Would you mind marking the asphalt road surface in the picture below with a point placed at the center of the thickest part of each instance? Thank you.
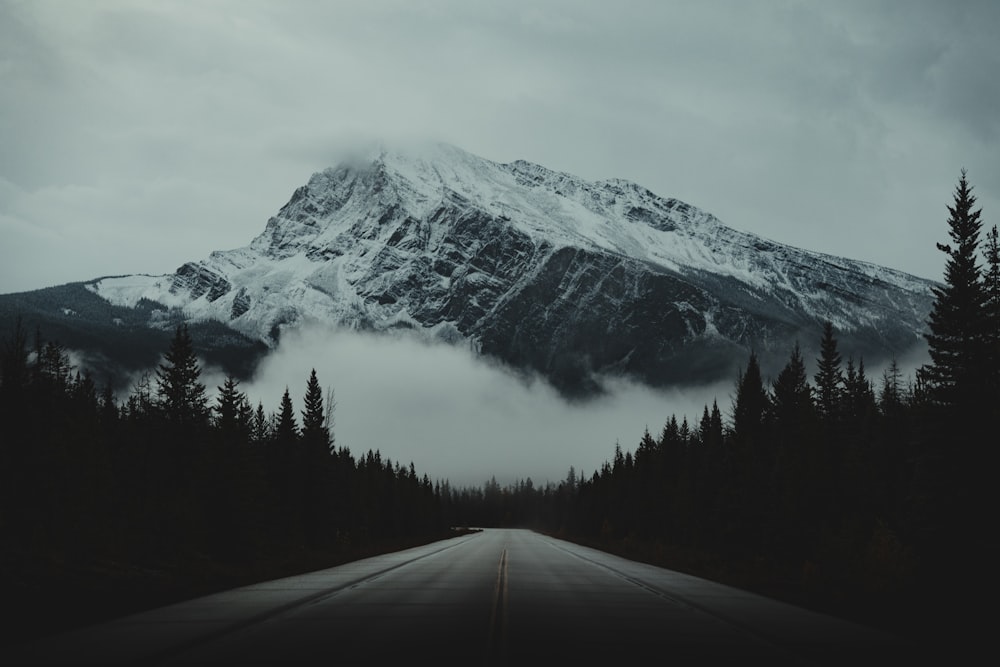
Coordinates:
(496, 597)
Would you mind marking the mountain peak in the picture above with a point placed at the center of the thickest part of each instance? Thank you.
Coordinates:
(538, 268)
(402, 155)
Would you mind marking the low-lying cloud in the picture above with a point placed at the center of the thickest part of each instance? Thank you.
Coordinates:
(457, 417)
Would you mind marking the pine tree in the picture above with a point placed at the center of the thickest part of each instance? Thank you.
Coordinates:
(716, 424)
(957, 323)
(245, 417)
(286, 431)
(283, 460)
(792, 395)
(751, 403)
(259, 431)
(228, 497)
(314, 429)
(800, 471)
(828, 378)
(181, 394)
(953, 476)
(890, 398)
(229, 407)
(704, 426)
(859, 396)
(316, 466)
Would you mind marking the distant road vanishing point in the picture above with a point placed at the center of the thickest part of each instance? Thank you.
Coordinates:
(495, 597)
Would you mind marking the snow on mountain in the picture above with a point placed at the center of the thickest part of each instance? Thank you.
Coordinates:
(537, 268)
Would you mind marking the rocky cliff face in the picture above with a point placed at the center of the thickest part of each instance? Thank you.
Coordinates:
(538, 269)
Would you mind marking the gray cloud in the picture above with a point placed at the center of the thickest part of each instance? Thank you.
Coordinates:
(460, 418)
(456, 417)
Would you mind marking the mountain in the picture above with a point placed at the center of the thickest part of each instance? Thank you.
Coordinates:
(118, 343)
(537, 269)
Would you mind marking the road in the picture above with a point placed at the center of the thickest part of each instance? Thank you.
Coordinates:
(496, 597)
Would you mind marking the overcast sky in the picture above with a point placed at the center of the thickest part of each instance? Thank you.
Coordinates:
(136, 136)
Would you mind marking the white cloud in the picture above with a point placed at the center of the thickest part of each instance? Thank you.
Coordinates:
(458, 418)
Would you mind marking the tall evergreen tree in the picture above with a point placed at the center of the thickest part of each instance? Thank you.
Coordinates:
(745, 500)
(792, 395)
(800, 470)
(286, 431)
(316, 466)
(829, 378)
(751, 404)
(890, 398)
(715, 432)
(314, 429)
(704, 426)
(230, 408)
(957, 323)
(259, 430)
(284, 457)
(859, 396)
(181, 394)
(228, 491)
(951, 495)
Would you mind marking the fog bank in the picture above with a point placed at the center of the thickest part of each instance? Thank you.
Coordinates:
(457, 417)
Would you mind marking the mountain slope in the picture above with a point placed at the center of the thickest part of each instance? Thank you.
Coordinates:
(538, 269)
(116, 343)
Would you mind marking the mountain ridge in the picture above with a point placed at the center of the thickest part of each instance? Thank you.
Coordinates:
(536, 268)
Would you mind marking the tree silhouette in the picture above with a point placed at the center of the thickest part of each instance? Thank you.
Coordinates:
(957, 322)
(231, 411)
(314, 430)
(180, 391)
(751, 404)
(286, 431)
(829, 378)
(315, 466)
(283, 461)
(951, 495)
(792, 396)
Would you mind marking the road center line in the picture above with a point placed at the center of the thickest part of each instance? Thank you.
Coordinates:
(497, 640)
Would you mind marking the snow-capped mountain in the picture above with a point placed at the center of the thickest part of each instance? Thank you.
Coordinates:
(539, 269)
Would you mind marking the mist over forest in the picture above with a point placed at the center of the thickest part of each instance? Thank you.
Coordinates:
(461, 418)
